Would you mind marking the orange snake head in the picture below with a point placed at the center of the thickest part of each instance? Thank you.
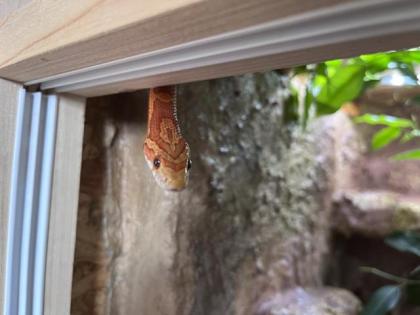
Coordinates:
(166, 151)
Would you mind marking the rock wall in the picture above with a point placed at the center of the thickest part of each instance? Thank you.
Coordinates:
(251, 231)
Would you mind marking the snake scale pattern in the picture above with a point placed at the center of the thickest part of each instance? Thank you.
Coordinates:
(165, 149)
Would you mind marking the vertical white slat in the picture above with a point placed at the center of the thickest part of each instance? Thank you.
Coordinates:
(44, 205)
(30, 209)
(15, 124)
(43, 199)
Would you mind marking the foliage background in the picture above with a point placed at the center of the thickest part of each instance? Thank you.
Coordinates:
(324, 88)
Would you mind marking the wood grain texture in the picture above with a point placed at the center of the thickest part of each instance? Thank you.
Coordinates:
(7, 7)
(64, 204)
(8, 105)
(50, 37)
(279, 61)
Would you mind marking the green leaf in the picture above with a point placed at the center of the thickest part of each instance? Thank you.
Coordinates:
(385, 136)
(407, 241)
(376, 63)
(407, 155)
(324, 109)
(345, 85)
(390, 121)
(332, 66)
(318, 83)
(406, 56)
(321, 69)
(383, 300)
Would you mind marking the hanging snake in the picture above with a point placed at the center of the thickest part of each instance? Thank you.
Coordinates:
(165, 149)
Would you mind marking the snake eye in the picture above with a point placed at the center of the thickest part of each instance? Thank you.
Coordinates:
(189, 164)
(156, 163)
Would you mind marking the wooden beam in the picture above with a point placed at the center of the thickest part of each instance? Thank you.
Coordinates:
(50, 37)
(9, 94)
(64, 205)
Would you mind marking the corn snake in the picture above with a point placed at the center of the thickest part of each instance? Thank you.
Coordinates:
(165, 149)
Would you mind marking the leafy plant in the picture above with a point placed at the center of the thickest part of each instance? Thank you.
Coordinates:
(407, 241)
(325, 87)
(387, 298)
(408, 155)
(394, 128)
(383, 300)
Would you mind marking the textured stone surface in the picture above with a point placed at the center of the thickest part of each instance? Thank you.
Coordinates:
(375, 213)
(310, 301)
(254, 221)
(263, 224)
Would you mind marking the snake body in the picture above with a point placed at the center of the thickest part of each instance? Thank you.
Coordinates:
(165, 149)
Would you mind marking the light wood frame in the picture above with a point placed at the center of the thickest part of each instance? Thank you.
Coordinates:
(90, 48)
(9, 92)
(39, 192)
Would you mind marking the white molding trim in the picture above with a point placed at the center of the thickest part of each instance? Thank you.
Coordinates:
(339, 24)
(29, 206)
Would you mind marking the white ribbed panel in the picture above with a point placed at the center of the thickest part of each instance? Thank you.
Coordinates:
(29, 204)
